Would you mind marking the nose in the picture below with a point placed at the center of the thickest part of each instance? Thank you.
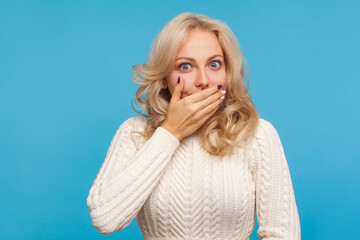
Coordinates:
(202, 80)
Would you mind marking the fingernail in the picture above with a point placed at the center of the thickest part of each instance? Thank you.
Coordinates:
(219, 86)
(222, 97)
(179, 79)
(223, 91)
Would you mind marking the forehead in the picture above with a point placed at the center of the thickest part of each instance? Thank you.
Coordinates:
(200, 43)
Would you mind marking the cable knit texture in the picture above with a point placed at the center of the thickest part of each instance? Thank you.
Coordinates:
(177, 190)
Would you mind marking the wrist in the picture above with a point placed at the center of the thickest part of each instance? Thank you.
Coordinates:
(172, 131)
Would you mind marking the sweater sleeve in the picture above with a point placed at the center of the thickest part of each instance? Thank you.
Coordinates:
(276, 208)
(127, 176)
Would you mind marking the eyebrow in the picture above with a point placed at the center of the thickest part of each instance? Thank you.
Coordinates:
(193, 60)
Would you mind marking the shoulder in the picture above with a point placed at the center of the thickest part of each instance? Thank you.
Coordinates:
(130, 130)
(267, 143)
(265, 130)
(136, 123)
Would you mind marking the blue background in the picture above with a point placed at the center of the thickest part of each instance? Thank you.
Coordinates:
(65, 71)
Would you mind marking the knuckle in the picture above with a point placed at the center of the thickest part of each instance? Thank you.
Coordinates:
(196, 116)
(186, 102)
(203, 94)
(192, 111)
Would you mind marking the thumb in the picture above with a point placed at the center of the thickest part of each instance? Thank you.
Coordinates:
(178, 90)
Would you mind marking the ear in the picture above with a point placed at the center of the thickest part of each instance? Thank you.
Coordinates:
(164, 84)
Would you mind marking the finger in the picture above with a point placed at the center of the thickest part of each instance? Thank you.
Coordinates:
(210, 107)
(177, 91)
(207, 101)
(203, 94)
(209, 114)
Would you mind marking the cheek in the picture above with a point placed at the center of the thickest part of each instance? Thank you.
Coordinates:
(188, 79)
(172, 81)
(218, 77)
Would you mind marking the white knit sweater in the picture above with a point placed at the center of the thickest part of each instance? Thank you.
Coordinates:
(177, 190)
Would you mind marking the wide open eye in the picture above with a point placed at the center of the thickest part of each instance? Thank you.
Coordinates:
(184, 66)
(215, 64)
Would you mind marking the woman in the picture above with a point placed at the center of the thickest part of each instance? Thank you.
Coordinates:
(200, 161)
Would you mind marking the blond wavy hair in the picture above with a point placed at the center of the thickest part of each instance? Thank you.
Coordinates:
(236, 118)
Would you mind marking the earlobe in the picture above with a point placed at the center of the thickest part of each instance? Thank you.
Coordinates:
(164, 85)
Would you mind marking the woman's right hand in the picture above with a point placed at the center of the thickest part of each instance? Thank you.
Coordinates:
(185, 116)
